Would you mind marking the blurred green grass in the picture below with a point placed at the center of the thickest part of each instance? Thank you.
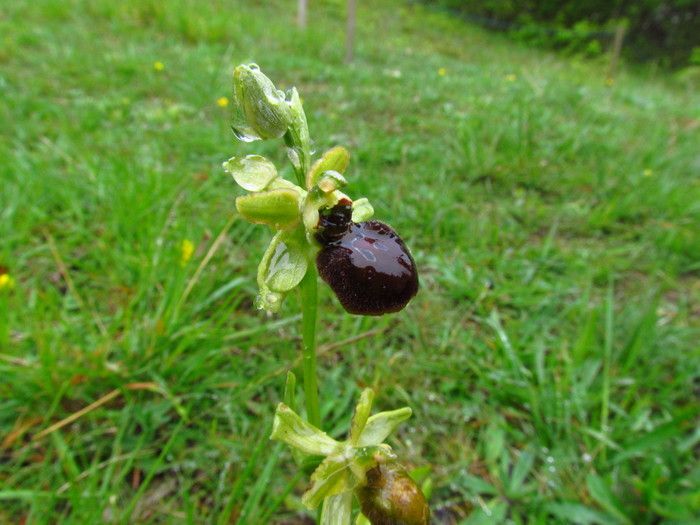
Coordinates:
(551, 358)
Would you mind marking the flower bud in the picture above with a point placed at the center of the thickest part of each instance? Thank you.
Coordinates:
(366, 264)
(261, 110)
(391, 497)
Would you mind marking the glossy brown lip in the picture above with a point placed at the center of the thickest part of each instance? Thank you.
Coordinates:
(366, 264)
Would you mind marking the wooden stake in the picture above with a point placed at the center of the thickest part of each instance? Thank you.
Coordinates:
(350, 34)
(301, 14)
(616, 50)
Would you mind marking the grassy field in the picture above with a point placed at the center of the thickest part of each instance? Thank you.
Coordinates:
(551, 357)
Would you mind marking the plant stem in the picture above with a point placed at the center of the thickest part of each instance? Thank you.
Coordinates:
(309, 309)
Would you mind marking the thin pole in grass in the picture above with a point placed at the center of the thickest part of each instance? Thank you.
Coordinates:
(302, 10)
(320, 231)
(350, 31)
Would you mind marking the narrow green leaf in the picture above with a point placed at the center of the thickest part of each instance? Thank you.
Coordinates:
(601, 493)
(521, 470)
(652, 440)
(493, 513)
(476, 485)
(494, 440)
(571, 512)
(290, 390)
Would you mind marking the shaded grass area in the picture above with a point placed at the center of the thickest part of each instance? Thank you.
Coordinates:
(551, 358)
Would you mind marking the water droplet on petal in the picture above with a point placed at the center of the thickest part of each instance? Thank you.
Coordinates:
(293, 155)
(244, 134)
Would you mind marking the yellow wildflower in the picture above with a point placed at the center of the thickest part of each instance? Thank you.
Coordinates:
(222, 102)
(511, 77)
(648, 172)
(442, 71)
(186, 251)
(6, 281)
(158, 65)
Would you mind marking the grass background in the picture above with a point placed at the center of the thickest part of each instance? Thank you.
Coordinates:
(551, 358)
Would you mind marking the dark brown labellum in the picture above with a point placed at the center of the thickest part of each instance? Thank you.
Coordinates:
(366, 264)
(391, 497)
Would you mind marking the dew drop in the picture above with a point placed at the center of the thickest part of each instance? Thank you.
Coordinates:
(244, 134)
(293, 155)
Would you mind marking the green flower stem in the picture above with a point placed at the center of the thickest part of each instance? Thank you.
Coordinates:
(309, 309)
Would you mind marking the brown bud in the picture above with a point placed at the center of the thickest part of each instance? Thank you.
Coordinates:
(391, 497)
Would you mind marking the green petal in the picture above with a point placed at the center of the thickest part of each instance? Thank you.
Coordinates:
(330, 181)
(362, 411)
(337, 510)
(289, 428)
(362, 210)
(332, 477)
(379, 426)
(276, 208)
(252, 173)
(336, 159)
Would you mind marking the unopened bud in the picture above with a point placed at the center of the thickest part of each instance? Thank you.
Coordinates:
(261, 110)
(391, 497)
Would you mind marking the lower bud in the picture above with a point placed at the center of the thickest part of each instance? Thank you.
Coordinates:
(391, 497)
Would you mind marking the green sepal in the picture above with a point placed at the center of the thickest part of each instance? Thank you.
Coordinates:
(261, 110)
(277, 208)
(289, 428)
(335, 159)
(282, 267)
(252, 173)
(286, 268)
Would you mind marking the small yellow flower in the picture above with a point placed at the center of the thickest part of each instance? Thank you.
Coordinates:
(609, 81)
(222, 102)
(442, 71)
(6, 281)
(186, 251)
(158, 65)
(648, 173)
(511, 77)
